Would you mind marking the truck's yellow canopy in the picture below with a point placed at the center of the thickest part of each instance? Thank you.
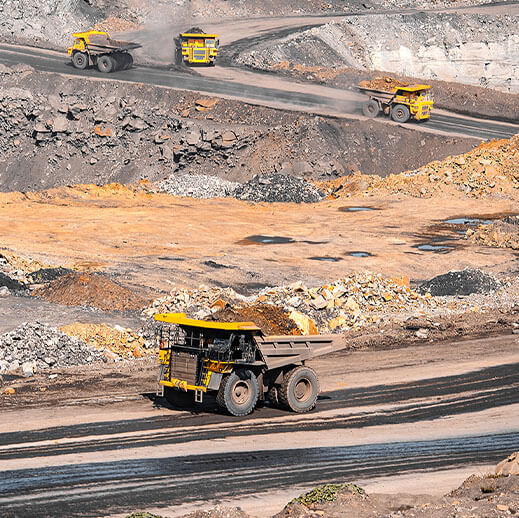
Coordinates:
(413, 88)
(181, 319)
(198, 35)
(87, 34)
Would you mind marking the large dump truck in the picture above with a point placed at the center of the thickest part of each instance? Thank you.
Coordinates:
(402, 103)
(98, 49)
(238, 363)
(196, 47)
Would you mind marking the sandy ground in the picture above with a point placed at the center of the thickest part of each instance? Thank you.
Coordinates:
(154, 240)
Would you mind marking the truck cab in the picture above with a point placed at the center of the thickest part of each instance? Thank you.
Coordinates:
(197, 48)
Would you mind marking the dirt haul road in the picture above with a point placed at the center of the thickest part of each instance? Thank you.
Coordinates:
(255, 89)
(442, 410)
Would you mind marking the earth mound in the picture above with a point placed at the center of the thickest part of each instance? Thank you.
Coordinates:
(464, 282)
(82, 289)
(270, 319)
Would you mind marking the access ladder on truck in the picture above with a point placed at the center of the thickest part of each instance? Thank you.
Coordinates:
(238, 363)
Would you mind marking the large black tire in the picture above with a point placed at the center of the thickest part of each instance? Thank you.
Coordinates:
(299, 389)
(80, 60)
(106, 64)
(129, 61)
(371, 108)
(238, 392)
(400, 113)
(178, 398)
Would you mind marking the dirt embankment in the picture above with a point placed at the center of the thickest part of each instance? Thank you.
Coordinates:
(61, 131)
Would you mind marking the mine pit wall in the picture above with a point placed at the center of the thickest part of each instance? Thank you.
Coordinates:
(471, 49)
(56, 131)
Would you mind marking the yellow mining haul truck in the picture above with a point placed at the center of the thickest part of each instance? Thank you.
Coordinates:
(400, 104)
(98, 49)
(237, 363)
(196, 47)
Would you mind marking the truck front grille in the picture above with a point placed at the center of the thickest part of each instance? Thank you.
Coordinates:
(199, 54)
(184, 366)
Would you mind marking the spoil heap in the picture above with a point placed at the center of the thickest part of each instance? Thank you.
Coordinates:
(278, 188)
(490, 169)
(83, 289)
(464, 282)
(123, 343)
(36, 346)
(349, 303)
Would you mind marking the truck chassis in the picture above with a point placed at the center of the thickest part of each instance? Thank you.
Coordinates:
(238, 363)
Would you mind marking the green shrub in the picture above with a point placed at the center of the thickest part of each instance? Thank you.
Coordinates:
(325, 493)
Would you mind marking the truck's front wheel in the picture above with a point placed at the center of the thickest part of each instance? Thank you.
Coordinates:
(80, 60)
(400, 113)
(238, 392)
(299, 389)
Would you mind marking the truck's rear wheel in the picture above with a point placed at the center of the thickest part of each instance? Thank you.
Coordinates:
(80, 60)
(299, 389)
(106, 63)
(400, 113)
(371, 108)
(129, 61)
(238, 392)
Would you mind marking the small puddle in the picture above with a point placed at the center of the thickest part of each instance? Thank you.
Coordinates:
(356, 209)
(265, 240)
(324, 258)
(468, 221)
(428, 247)
(359, 253)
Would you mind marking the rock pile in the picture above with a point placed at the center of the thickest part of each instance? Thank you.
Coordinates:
(491, 169)
(36, 346)
(278, 188)
(84, 289)
(349, 303)
(198, 186)
(463, 282)
(120, 342)
(501, 234)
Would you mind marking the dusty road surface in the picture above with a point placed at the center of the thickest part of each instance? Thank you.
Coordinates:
(103, 445)
(254, 88)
